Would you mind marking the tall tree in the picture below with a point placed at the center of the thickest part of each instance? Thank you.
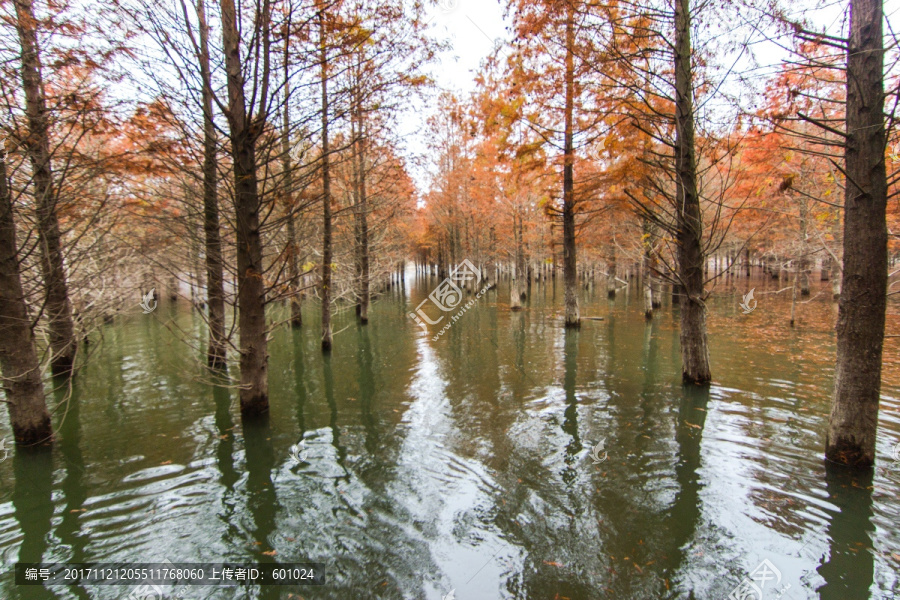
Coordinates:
(216, 355)
(861, 310)
(573, 319)
(326, 186)
(244, 131)
(691, 257)
(291, 250)
(18, 356)
(57, 306)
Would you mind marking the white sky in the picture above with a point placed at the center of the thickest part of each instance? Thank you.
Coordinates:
(473, 27)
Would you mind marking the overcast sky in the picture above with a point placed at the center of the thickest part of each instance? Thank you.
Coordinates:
(473, 27)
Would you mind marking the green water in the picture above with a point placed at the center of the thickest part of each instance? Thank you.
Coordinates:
(465, 463)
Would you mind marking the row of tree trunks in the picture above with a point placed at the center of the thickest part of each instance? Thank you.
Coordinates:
(57, 306)
(18, 358)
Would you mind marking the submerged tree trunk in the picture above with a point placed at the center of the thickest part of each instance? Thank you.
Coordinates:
(362, 217)
(21, 369)
(611, 271)
(838, 233)
(647, 268)
(215, 292)
(251, 291)
(861, 311)
(291, 250)
(694, 345)
(570, 265)
(326, 192)
(58, 308)
(516, 289)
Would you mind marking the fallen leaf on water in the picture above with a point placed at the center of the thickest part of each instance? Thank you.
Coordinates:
(692, 425)
(168, 462)
(640, 570)
(553, 564)
(270, 553)
(80, 510)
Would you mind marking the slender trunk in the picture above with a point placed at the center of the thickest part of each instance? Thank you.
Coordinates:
(573, 318)
(215, 292)
(515, 286)
(18, 358)
(362, 212)
(694, 345)
(291, 252)
(57, 307)
(795, 286)
(861, 311)
(251, 291)
(647, 268)
(838, 233)
(326, 192)
(611, 270)
(803, 263)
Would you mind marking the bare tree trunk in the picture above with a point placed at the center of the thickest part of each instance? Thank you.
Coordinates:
(803, 263)
(363, 219)
(570, 265)
(795, 285)
(326, 192)
(861, 311)
(251, 291)
(58, 307)
(647, 268)
(291, 251)
(18, 358)
(838, 233)
(611, 271)
(694, 344)
(516, 291)
(215, 293)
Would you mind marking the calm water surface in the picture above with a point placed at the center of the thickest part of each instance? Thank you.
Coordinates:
(465, 463)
